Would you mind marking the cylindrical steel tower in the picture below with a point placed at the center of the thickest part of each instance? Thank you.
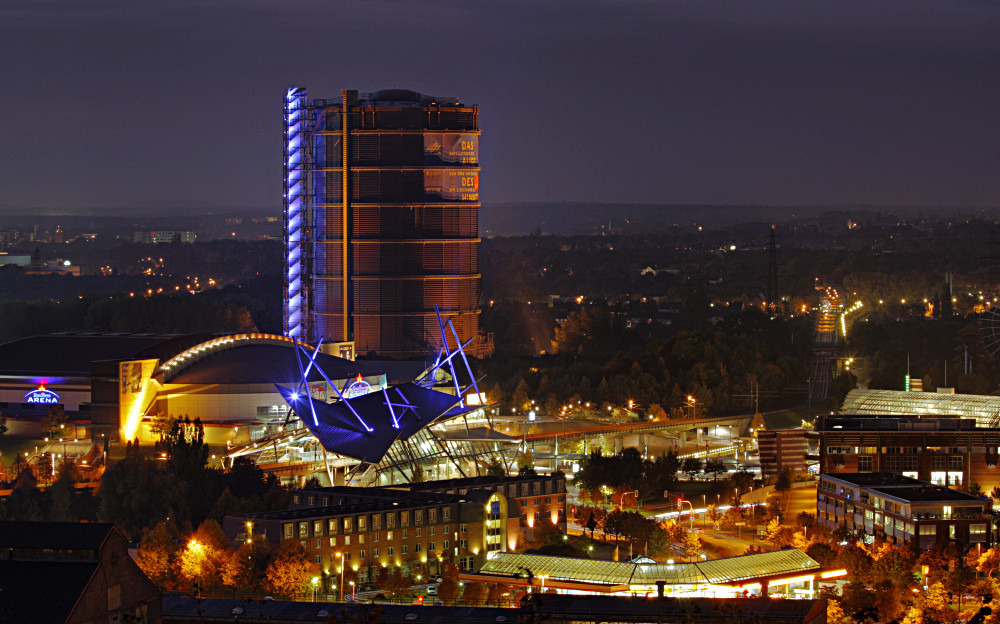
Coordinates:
(392, 213)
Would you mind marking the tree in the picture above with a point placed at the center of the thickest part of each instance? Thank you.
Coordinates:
(392, 581)
(656, 412)
(62, 493)
(161, 424)
(136, 493)
(247, 566)
(448, 588)
(495, 468)
(714, 514)
(290, 571)
(614, 524)
(958, 580)
(732, 516)
(934, 606)
(499, 595)
(784, 480)
(989, 561)
(835, 613)
(187, 457)
(54, 423)
(714, 466)
(780, 534)
(156, 553)
(205, 556)
(522, 397)
(474, 594)
(691, 466)
(859, 602)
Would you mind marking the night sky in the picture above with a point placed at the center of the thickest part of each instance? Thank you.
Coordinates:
(111, 104)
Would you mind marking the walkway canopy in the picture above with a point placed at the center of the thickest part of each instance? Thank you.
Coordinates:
(616, 576)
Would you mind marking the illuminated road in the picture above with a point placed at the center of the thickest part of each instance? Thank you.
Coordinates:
(825, 344)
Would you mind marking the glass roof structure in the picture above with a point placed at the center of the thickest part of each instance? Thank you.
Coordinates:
(985, 409)
(731, 570)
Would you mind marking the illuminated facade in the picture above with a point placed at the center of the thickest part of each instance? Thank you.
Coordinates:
(367, 528)
(381, 221)
(903, 509)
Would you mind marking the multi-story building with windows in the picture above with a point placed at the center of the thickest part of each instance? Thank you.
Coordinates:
(367, 528)
(945, 451)
(533, 499)
(902, 509)
(381, 220)
(783, 448)
(539, 498)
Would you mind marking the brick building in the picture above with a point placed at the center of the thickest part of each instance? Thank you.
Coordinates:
(953, 452)
(71, 572)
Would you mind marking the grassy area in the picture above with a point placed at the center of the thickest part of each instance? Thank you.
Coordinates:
(11, 446)
(792, 418)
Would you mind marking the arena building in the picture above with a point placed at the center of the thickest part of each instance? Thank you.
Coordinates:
(371, 422)
(119, 384)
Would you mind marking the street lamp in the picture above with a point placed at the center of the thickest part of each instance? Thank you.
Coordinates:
(353, 588)
(680, 509)
(315, 584)
(621, 499)
(341, 555)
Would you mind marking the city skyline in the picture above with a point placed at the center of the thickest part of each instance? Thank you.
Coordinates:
(890, 103)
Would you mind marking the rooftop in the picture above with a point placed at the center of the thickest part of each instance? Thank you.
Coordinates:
(250, 363)
(54, 535)
(927, 493)
(71, 354)
(632, 609)
(730, 570)
(895, 423)
(902, 488)
(870, 479)
(24, 598)
(984, 409)
(471, 482)
(384, 500)
(189, 609)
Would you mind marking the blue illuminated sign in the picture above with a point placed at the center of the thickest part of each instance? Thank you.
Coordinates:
(360, 387)
(42, 396)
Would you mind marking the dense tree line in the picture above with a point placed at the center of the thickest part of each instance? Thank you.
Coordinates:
(140, 490)
(205, 312)
(718, 367)
(933, 350)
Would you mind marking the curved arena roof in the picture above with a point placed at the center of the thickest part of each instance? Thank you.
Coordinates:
(984, 408)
